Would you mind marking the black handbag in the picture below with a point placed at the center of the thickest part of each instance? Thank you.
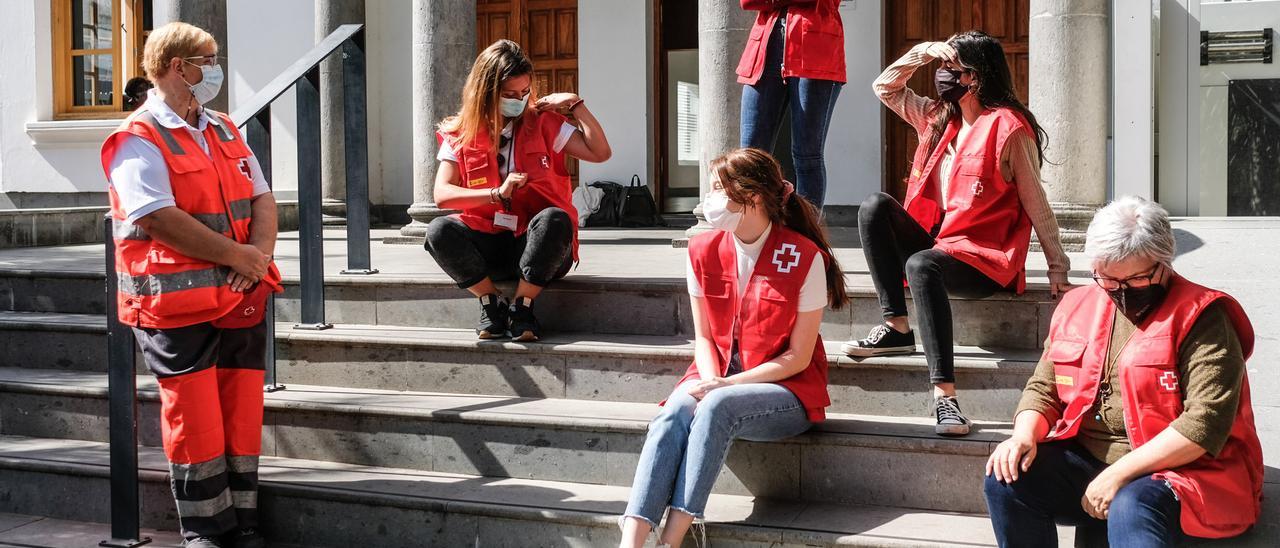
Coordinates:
(638, 207)
(610, 204)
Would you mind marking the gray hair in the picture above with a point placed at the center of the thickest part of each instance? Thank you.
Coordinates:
(1130, 227)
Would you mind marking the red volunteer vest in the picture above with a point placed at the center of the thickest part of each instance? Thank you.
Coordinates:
(158, 286)
(766, 314)
(549, 183)
(1220, 496)
(814, 41)
(985, 225)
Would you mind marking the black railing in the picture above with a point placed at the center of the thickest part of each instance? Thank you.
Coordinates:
(255, 118)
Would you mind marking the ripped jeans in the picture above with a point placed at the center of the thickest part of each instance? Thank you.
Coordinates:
(688, 441)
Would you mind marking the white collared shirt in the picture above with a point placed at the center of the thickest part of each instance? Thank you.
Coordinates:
(138, 170)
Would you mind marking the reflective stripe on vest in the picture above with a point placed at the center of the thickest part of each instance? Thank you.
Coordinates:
(241, 209)
(216, 222)
(165, 134)
(151, 285)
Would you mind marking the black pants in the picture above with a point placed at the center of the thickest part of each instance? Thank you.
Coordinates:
(542, 254)
(897, 247)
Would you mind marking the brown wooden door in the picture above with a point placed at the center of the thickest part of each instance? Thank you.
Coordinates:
(909, 22)
(548, 32)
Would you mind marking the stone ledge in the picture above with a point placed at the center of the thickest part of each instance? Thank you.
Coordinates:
(71, 132)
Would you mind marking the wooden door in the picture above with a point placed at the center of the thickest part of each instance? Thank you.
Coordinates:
(909, 22)
(548, 32)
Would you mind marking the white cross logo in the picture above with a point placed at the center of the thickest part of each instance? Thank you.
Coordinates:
(1169, 381)
(789, 249)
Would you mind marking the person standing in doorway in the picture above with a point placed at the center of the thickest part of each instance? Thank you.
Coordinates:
(973, 197)
(793, 62)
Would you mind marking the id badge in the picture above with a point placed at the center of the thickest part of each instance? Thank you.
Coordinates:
(505, 220)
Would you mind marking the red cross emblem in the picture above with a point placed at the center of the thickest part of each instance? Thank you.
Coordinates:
(977, 188)
(244, 168)
(1169, 381)
(546, 162)
(788, 250)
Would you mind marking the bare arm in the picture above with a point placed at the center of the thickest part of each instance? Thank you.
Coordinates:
(589, 143)
(704, 349)
(265, 226)
(449, 193)
(175, 228)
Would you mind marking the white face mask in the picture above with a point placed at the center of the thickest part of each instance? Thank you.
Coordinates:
(209, 86)
(715, 207)
(512, 108)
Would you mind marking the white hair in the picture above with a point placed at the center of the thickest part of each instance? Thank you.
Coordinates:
(1130, 227)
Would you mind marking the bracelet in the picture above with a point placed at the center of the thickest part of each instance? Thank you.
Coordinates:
(493, 195)
(575, 105)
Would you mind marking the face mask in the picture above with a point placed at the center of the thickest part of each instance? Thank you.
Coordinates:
(208, 87)
(716, 209)
(948, 83)
(512, 108)
(1136, 302)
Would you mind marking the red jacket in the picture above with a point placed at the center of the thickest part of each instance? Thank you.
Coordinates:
(814, 40)
(159, 287)
(1220, 495)
(549, 183)
(985, 225)
(766, 314)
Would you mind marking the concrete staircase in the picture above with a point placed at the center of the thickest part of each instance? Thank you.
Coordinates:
(399, 429)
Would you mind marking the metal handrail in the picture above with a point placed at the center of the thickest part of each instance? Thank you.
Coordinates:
(255, 118)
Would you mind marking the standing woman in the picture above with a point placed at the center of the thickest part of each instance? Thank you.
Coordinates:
(517, 215)
(758, 285)
(794, 60)
(973, 196)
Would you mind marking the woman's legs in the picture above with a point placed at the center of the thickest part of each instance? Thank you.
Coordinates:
(545, 254)
(812, 104)
(756, 412)
(889, 236)
(663, 451)
(1145, 513)
(469, 256)
(764, 103)
(933, 276)
(1023, 513)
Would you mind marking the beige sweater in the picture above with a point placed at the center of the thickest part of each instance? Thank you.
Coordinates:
(1020, 162)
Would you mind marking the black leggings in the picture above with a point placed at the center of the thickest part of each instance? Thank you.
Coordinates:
(897, 247)
(542, 254)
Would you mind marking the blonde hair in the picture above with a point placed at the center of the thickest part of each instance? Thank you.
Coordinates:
(481, 95)
(175, 39)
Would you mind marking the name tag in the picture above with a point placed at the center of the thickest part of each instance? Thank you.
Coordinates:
(477, 182)
(505, 220)
(1064, 380)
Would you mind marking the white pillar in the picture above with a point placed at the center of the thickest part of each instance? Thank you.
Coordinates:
(722, 33)
(1069, 54)
(444, 48)
(1133, 99)
(331, 14)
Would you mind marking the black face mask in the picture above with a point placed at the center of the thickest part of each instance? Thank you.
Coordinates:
(1137, 302)
(948, 83)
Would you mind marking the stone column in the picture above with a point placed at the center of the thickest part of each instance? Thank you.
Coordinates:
(723, 28)
(331, 14)
(210, 15)
(1070, 97)
(444, 48)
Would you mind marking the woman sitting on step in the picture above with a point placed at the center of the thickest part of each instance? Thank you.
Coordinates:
(758, 285)
(502, 163)
(972, 198)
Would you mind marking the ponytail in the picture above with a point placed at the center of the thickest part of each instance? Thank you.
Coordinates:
(801, 216)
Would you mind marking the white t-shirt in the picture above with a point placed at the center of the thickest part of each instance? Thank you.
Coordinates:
(447, 154)
(813, 294)
(141, 177)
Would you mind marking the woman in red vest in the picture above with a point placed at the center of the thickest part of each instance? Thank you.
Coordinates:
(502, 163)
(758, 285)
(793, 62)
(1139, 412)
(973, 196)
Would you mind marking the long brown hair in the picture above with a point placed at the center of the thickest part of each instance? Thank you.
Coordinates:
(748, 172)
(993, 83)
(482, 93)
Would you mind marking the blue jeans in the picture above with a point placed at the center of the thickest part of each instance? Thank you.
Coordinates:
(1145, 513)
(811, 104)
(688, 442)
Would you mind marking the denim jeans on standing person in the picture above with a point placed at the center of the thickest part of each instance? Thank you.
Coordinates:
(811, 104)
(1145, 513)
(688, 441)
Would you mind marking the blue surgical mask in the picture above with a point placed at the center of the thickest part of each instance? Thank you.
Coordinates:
(512, 108)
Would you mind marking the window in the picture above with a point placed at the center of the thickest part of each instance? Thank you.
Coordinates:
(97, 48)
(687, 123)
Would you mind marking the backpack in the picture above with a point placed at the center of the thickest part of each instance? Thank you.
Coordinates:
(638, 206)
(610, 204)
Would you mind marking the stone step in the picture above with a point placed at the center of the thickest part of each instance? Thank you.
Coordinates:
(858, 459)
(323, 504)
(632, 306)
(632, 368)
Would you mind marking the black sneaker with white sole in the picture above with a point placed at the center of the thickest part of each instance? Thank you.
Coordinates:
(524, 325)
(881, 341)
(493, 317)
(951, 421)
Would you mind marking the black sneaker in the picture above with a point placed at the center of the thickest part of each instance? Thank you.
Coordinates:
(881, 341)
(524, 326)
(245, 538)
(950, 421)
(203, 542)
(493, 317)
